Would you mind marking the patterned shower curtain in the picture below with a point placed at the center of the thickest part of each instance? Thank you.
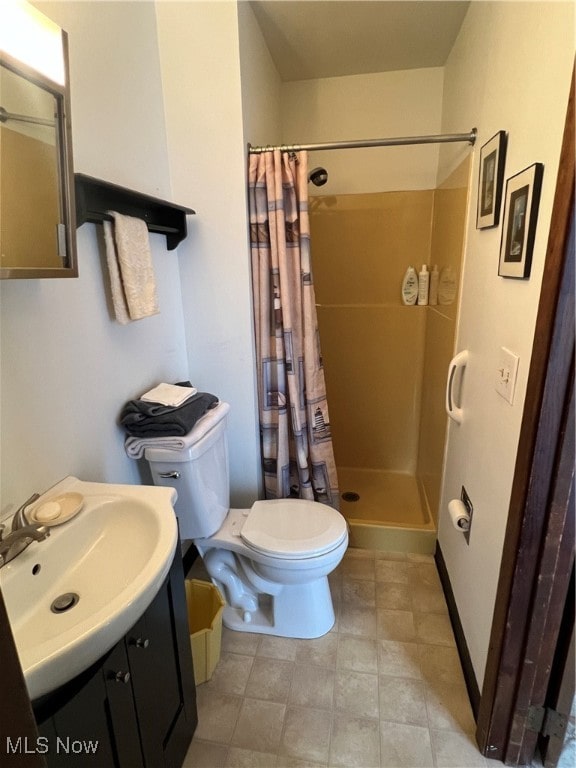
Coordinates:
(297, 451)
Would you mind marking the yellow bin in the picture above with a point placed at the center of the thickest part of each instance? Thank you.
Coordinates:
(205, 606)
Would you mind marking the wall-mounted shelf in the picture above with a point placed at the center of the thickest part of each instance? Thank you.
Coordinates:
(94, 198)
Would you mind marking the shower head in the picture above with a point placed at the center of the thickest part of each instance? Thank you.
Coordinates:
(318, 176)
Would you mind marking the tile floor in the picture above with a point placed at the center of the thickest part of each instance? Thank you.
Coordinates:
(383, 688)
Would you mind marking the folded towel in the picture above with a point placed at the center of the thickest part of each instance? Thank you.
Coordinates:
(169, 394)
(136, 446)
(130, 266)
(142, 419)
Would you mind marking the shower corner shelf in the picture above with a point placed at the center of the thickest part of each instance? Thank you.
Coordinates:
(94, 198)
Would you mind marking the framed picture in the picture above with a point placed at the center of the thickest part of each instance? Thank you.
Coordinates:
(519, 226)
(490, 181)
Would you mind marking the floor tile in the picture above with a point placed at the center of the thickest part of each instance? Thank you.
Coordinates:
(218, 713)
(320, 651)
(440, 664)
(278, 647)
(259, 726)
(394, 596)
(312, 687)
(249, 758)
(434, 628)
(398, 659)
(392, 571)
(306, 734)
(405, 746)
(245, 643)
(270, 679)
(357, 567)
(231, 673)
(402, 700)
(455, 750)
(395, 625)
(357, 621)
(360, 592)
(357, 653)
(356, 693)
(449, 707)
(355, 743)
(205, 754)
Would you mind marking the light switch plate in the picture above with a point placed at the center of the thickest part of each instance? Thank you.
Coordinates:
(506, 373)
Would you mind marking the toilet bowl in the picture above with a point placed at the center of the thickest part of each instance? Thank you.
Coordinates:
(271, 561)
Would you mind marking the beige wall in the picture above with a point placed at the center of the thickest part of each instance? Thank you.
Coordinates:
(372, 345)
(447, 245)
(377, 105)
(509, 70)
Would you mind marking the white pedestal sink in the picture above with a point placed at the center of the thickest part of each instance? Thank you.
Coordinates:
(114, 555)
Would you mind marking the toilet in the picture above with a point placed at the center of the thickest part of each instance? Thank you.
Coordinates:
(271, 561)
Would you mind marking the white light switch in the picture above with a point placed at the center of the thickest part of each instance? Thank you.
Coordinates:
(506, 373)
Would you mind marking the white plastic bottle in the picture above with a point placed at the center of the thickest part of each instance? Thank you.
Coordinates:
(433, 294)
(447, 286)
(423, 285)
(410, 287)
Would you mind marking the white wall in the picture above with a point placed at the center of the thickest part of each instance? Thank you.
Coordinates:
(260, 81)
(509, 70)
(200, 64)
(66, 366)
(380, 105)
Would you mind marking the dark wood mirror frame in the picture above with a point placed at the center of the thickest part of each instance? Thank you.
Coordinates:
(65, 167)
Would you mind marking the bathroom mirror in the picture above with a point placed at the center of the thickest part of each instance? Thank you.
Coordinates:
(37, 208)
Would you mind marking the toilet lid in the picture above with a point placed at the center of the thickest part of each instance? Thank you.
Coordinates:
(293, 528)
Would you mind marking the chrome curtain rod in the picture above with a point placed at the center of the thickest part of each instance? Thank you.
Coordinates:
(4, 116)
(445, 138)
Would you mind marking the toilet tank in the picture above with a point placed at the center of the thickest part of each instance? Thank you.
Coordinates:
(199, 473)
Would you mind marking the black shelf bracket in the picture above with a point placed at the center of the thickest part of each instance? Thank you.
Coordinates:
(94, 198)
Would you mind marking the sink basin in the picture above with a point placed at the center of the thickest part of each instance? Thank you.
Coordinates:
(113, 554)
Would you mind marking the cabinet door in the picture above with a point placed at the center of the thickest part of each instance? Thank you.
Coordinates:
(79, 734)
(123, 723)
(155, 680)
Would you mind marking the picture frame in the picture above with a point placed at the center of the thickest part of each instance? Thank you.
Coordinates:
(521, 204)
(491, 181)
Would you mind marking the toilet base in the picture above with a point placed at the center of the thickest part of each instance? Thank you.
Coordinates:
(298, 610)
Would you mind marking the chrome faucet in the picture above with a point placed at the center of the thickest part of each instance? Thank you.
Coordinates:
(19, 520)
(17, 541)
(22, 533)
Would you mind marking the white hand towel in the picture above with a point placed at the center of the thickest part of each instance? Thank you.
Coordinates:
(131, 269)
(169, 394)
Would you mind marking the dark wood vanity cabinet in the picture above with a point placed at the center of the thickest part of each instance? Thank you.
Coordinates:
(138, 703)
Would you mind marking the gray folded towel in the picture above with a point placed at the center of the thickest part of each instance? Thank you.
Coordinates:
(142, 419)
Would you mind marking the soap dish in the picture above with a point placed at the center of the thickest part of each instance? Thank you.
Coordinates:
(57, 510)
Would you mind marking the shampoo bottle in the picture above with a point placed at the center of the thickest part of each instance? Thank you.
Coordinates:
(410, 287)
(423, 284)
(433, 294)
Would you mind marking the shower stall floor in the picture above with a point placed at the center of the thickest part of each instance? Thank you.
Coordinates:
(387, 511)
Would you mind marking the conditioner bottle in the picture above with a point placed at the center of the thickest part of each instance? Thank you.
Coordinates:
(423, 284)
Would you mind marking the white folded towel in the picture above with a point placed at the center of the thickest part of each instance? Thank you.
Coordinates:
(130, 267)
(169, 394)
(135, 447)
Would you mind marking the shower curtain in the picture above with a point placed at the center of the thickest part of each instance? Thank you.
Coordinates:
(297, 453)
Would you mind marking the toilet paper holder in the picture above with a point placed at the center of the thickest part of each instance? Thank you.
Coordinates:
(460, 512)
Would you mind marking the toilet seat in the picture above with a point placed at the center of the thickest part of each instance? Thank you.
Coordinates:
(293, 529)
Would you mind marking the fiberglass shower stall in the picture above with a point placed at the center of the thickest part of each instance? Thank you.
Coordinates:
(385, 363)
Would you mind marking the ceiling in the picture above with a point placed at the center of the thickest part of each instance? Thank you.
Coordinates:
(311, 39)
